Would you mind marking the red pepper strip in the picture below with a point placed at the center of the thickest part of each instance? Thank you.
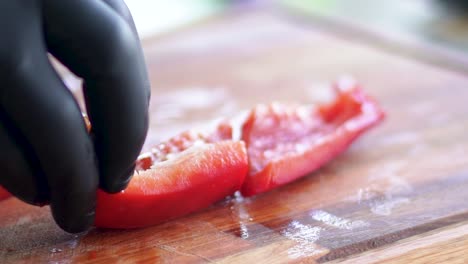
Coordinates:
(285, 143)
(185, 174)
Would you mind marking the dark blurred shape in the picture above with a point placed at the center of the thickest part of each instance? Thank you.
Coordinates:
(454, 6)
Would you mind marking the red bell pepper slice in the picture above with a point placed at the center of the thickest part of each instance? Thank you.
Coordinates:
(187, 173)
(285, 142)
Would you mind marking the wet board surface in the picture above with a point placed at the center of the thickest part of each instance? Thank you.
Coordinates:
(398, 194)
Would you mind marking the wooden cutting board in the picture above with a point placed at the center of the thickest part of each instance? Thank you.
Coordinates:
(399, 192)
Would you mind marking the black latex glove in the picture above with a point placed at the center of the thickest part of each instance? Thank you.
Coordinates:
(46, 154)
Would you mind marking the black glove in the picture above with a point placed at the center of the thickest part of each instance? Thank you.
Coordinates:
(46, 154)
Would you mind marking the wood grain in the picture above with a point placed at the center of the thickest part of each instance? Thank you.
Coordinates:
(441, 245)
(402, 186)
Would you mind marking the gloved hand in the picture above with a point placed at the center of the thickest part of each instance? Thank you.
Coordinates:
(46, 154)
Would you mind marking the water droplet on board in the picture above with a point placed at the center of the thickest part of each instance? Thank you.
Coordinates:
(56, 250)
(386, 189)
(336, 221)
(305, 236)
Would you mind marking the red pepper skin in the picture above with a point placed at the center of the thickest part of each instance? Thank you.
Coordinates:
(3, 193)
(285, 143)
(195, 179)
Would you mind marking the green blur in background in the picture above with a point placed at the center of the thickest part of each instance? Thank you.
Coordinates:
(437, 22)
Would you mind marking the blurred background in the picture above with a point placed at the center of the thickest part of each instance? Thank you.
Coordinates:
(213, 49)
(439, 23)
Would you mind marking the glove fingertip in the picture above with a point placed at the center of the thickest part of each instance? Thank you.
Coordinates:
(118, 184)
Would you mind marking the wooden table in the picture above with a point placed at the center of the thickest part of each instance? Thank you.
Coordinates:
(398, 195)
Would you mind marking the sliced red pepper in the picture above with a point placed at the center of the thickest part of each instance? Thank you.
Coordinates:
(285, 143)
(187, 173)
(192, 170)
